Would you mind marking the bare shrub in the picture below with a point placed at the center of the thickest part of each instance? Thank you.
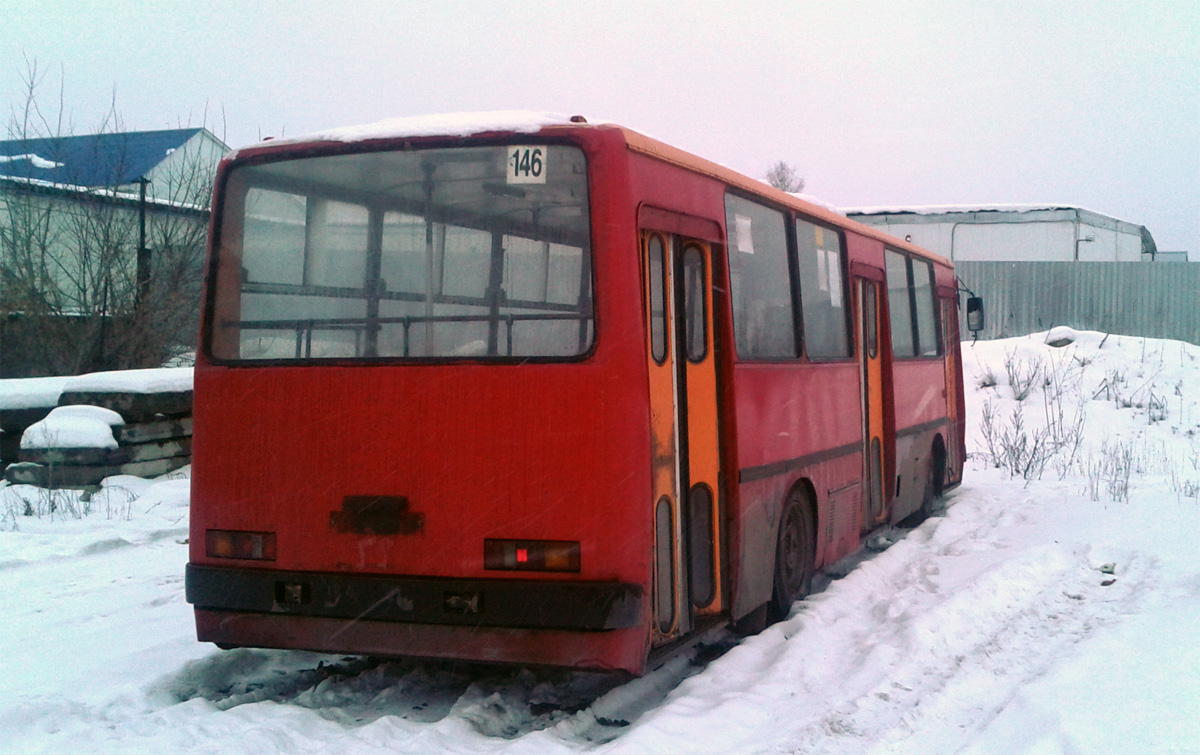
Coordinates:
(1156, 408)
(1109, 471)
(1064, 421)
(1022, 374)
(1020, 451)
(118, 502)
(987, 379)
(1115, 389)
(9, 506)
(1185, 488)
(28, 501)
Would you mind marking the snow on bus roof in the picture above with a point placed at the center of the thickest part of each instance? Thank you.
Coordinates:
(445, 124)
(811, 199)
(531, 121)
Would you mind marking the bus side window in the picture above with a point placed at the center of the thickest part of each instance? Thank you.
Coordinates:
(819, 267)
(658, 309)
(872, 319)
(927, 320)
(763, 322)
(899, 305)
(695, 321)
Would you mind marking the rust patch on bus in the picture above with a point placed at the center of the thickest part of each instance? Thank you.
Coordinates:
(376, 515)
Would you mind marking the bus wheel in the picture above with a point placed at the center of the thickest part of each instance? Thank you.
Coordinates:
(933, 485)
(793, 556)
(937, 474)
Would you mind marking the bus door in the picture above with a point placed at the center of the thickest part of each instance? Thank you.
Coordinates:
(871, 380)
(683, 409)
(950, 349)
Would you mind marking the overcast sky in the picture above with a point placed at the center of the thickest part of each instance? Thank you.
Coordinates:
(1095, 104)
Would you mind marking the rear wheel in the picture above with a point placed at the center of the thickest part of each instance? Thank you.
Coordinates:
(794, 554)
(934, 476)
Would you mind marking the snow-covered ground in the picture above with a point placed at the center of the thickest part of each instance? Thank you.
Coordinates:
(1054, 614)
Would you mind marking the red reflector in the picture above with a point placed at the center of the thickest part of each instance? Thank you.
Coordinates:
(531, 555)
(250, 546)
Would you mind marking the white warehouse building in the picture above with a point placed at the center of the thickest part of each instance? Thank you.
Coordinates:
(1014, 233)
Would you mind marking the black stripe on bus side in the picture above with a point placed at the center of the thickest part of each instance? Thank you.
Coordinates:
(931, 425)
(762, 472)
(750, 474)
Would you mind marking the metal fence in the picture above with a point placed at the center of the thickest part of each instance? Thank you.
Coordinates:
(1159, 300)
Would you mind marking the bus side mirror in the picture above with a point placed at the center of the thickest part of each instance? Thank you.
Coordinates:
(974, 314)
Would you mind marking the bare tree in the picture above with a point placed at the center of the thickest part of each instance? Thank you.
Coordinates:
(785, 177)
(72, 296)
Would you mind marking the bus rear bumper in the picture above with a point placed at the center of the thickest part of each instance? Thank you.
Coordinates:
(619, 650)
(561, 623)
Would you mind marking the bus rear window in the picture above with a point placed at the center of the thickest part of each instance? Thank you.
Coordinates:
(443, 253)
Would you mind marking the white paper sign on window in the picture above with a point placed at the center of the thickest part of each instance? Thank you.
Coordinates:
(835, 280)
(743, 228)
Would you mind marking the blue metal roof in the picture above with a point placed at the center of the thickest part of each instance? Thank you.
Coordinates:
(91, 159)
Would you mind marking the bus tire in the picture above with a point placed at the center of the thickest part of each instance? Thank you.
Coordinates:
(794, 555)
(934, 486)
(935, 473)
(753, 622)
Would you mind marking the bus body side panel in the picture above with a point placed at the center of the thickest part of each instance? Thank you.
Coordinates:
(920, 407)
(795, 421)
(952, 339)
(466, 451)
(956, 472)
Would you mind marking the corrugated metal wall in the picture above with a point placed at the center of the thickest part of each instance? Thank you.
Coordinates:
(1161, 300)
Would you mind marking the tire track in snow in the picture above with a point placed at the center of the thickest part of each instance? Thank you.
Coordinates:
(428, 698)
(948, 648)
(914, 649)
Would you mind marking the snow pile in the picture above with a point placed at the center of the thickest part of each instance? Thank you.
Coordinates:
(1109, 411)
(30, 393)
(154, 380)
(127, 511)
(1048, 606)
(74, 427)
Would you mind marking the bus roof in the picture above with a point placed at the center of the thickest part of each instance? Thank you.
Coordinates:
(646, 145)
(530, 122)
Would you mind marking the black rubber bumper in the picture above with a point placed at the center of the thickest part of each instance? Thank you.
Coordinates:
(512, 603)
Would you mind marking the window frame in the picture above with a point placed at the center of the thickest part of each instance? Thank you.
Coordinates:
(660, 346)
(788, 215)
(844, 276)
(914, 326)
(935, 320)
(686, 300)
(791, 217)
(210, 338)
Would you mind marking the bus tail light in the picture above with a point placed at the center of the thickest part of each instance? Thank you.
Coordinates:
(531, 555)
(254, 546)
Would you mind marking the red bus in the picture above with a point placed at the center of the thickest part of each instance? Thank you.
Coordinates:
(531, 390)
